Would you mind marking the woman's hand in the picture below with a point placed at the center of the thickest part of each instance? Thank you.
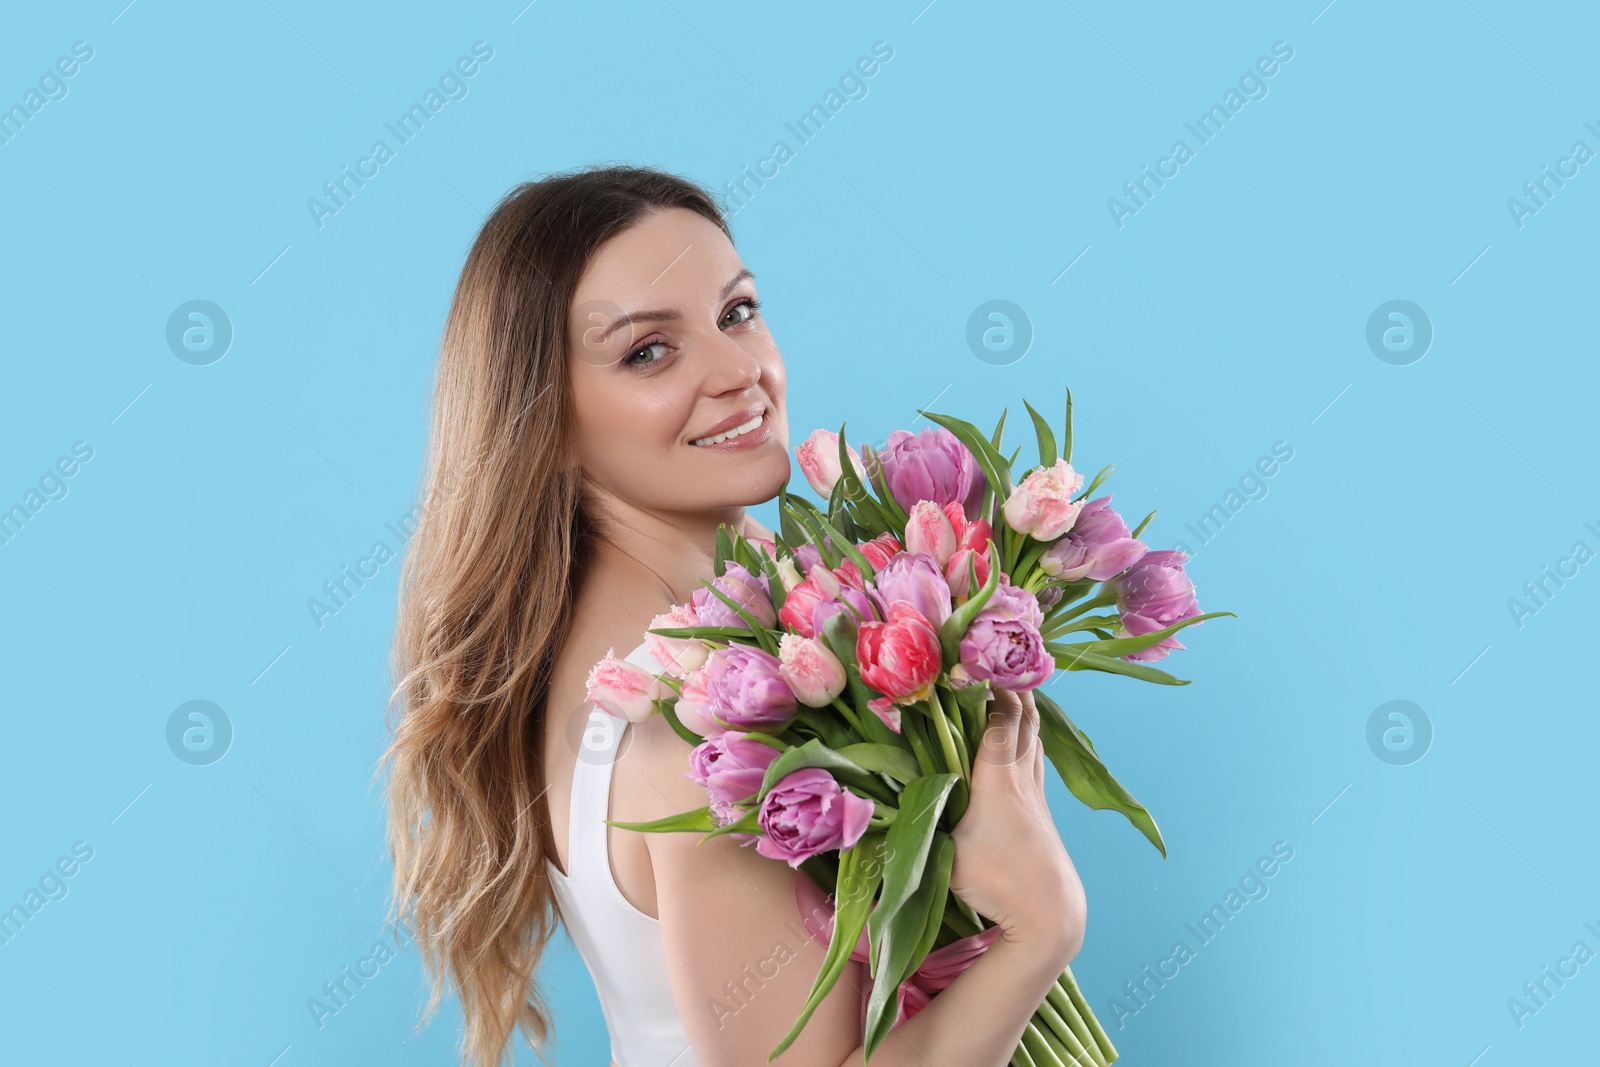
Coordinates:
(1010, 864)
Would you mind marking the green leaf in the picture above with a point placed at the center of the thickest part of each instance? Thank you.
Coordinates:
(805, 513)
(1047, 439)
(859, 876)
(1075, 759)
(880, 482)
(724, 549)
(844, 544)
(1089, 622)
(669, 711)
(892, 760)
(790, 530)
(940, 858)
(1098, 478)
(955, 627)
(1066, 435)
(1093, 661)
(892, 936)
(1139, 529)
(920, 918)
(714, 633)
(999, 429)
(747, 555)
(816, 754)
(867, 508)
(744, 824)
(759, 632)
(699, 820)
(1122, 646)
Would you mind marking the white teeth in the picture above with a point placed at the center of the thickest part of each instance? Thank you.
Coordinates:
(743, 427)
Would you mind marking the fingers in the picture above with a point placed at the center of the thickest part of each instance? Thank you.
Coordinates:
(1038, 767)
(1000, 734)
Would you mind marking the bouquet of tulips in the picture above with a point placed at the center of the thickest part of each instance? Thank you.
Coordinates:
(834, 680)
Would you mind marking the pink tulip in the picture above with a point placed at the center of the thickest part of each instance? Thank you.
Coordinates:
(677, 655)
(624, 690)
(1042, 505)
(810, 669)
(928, 530)
(881, 549)
(819, 586)
(806, 812)
(900, 658)
(818, 456)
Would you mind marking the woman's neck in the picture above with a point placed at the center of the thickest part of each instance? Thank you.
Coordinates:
(677, 548)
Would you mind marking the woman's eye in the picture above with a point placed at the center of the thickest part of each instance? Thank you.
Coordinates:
(748, 305)
(644, 350)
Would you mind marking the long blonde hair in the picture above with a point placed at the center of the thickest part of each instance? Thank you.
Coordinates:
(486, 594)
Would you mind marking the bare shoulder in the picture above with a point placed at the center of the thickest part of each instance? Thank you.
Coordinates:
(614, 604)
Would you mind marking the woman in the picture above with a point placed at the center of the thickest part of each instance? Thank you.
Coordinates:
(608, 393)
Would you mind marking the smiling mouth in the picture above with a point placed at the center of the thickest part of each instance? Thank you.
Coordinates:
(726, 435)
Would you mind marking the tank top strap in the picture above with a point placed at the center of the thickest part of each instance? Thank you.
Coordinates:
(588, 859)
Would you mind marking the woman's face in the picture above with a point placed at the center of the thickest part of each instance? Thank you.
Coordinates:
(667, 355)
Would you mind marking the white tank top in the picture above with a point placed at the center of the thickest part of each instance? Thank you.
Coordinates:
(620, 944)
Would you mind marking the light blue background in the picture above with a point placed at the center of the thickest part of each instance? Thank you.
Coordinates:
(1228, 314)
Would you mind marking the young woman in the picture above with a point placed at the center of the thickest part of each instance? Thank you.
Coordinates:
(608, 393)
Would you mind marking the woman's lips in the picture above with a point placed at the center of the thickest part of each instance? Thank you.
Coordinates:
(749, 439)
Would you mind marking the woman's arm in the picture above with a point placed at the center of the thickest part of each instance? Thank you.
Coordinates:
(742, 963)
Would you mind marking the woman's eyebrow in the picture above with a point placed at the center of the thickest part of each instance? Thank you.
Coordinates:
(668, 314)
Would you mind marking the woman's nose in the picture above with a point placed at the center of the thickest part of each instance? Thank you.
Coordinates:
(730, 369)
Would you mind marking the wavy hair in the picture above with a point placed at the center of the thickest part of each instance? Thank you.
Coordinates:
(486, 595)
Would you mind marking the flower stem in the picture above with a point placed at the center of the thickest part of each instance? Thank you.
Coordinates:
(941, 723)
(850, 717)
(1061, 1004)
(1053, 626)
(1040, 1049)
(1070, 984)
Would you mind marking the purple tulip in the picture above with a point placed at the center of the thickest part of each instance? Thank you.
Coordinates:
(917, 578)
(1013, 602)
(749, 591)
(737, 688)
(931, 465)
(806, 812)
(1008, 652)
(1154, 594)
(1098, 546)
(806, 556)
(730, 766)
